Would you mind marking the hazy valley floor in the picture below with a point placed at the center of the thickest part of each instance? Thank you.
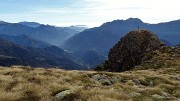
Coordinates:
(28, 84)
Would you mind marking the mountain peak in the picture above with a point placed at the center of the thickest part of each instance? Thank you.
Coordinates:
(131, 50)
(134, 20)
(3, 22)
(130, 21)
(30, 24)
(78, 28)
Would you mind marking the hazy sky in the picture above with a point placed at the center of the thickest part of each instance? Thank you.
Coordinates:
(88, 12)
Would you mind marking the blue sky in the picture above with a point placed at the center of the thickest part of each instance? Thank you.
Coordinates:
(88, 12)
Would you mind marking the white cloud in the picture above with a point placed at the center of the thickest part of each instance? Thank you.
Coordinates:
(152, 11)
(96, 12)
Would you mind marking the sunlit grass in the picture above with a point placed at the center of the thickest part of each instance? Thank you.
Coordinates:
(27, 84)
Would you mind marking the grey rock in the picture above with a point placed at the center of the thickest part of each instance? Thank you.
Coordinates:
(115, 79)
(164, 94)
(63, 94)
(141, 86)
(156, 96)
(137, 81)
(151, 83)
(102, 79)
(177, 78)
(171, 58)
(134, 94)
(114, 90)
(171, 99)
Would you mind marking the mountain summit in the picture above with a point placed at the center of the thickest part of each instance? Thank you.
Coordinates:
(131, 50)
(137, 20)
(30, 24)
(101, 39)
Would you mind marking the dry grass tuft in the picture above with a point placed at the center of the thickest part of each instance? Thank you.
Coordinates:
(27, 84)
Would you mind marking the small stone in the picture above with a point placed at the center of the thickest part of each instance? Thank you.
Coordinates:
(156, 96)
(63, 94)
(172, 99)
(141, 86)
(165, 64)
(137, 81)
(102, 79)
(171, 58)
(177, 78)
(134, 94)
(164, 94)
(151, 83)
(115, 79)
(113, 90)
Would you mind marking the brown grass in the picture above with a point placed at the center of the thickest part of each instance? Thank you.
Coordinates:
(27, 84)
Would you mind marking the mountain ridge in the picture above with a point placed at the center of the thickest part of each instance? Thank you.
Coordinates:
(12, 54)
(51, 34)
(101, 39)
(25, 40)
(30, 24)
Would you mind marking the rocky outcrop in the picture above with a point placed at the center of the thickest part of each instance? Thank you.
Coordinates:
(102, 79)
(66, 95)
(106, 80)
(131, 51)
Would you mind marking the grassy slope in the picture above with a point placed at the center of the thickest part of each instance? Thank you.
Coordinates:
(28, 84)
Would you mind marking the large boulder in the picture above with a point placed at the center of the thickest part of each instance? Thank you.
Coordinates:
(102, 79)
(66, 95)
(130, 50)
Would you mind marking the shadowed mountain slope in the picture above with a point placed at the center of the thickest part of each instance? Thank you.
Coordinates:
(25, 40)
(101, 39)
(50, 34)
(12, 54)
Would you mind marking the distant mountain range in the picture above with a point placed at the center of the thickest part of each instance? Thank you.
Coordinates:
(26, 41)
(79, 28)
(89, 46)
(30, 24)
(3, 22)
(101, 39)
(50, 34)
(31, 44)
(51, 56)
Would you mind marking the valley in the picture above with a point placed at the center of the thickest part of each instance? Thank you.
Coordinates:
(156, 78)
(89, 50)
(87, 47)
